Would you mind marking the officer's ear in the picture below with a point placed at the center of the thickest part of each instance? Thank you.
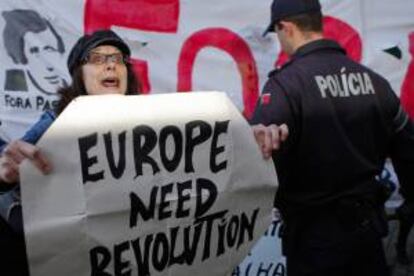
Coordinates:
(287, 27)
(279, 26)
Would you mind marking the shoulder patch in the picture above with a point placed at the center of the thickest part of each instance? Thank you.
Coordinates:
(265, 98)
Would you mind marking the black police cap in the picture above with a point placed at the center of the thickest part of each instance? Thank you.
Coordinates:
(90, 41)
(284, 8)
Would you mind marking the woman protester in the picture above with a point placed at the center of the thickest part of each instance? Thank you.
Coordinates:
(98, 64)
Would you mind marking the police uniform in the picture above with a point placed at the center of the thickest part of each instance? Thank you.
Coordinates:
(344, 120)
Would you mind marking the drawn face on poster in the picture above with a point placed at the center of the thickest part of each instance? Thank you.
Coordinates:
(30, 40)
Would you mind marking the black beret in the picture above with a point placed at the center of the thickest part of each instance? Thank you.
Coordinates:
(90, 41)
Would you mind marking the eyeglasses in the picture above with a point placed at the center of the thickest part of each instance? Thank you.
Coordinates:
(99, 59)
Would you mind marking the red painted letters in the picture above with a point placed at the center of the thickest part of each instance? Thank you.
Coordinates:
(231, 43)
(163, 16)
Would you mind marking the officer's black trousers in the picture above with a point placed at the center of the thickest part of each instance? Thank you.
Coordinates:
(325, 247)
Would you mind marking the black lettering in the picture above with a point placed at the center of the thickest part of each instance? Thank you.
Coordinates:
(144, 139)
(7, 100)
(39, 102)
(142, 260)
(192, 142)
(236, 271)
(165, 190)
(279, 270)
(181, 187)
(17, 102)
(117, 170)
(138, 207)
(204, 185)
(246, 226)
(221, 236)
(47, 106)
(265, 271)
(119, 264)
(190, 247)
(209, 219)
(175, 133)
(232, 230)
(249, 266)
(275, 225)
(173, 238)
(160, 261)
(99, 258)
(272, 228)
(207, 240)
(85, 144)
(220, 127)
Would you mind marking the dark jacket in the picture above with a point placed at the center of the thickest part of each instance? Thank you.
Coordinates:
(344, 120)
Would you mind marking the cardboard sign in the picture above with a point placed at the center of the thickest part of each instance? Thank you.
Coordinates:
(168, 184)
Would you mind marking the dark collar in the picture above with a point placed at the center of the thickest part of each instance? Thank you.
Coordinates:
(314, 46)
(317, 45)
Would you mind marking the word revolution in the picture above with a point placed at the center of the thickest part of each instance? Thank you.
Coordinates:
(179, 246)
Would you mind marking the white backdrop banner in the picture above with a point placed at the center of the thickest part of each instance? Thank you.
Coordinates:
(180, 45)
(169, 184)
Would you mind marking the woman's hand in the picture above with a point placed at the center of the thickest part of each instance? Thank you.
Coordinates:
(270, 137)
(13, 155)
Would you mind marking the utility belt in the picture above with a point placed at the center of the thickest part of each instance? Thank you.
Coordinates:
(353, 216)
(362, 215)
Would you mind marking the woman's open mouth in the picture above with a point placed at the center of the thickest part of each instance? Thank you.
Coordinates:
(110, 82)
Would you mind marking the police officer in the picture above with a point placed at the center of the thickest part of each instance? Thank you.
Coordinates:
(343, 120)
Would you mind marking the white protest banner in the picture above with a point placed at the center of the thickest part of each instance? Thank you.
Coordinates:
(264, 259)
(147, 185)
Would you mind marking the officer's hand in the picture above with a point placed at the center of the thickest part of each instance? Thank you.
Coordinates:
(270, 137)
(12, 156)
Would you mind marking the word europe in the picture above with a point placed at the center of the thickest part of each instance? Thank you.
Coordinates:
(144, 141)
